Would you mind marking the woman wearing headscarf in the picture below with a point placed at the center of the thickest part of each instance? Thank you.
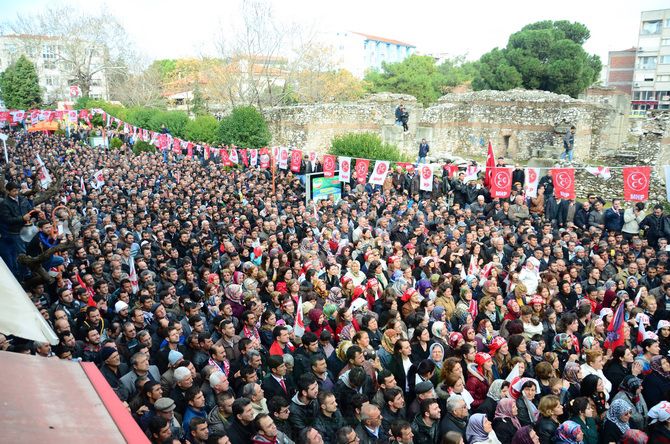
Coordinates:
(592, 387)
(569, 433)
(479, 378)
(525, 435)
(629, 391)
(505, 422)
(440, 334)
(524, 391)
(436, 356)
(233, 293)
(659, 426)
(656, 385)
(497, 391)
(563, 347)
(480, 431)
(573, 374)
(634, 436)
(616, 422)
(385, 352)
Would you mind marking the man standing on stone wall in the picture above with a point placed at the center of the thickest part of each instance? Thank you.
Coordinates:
(569, 144)
(424, 149)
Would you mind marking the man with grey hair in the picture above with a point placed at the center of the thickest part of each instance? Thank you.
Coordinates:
(256, 395)
(370, 429)
(456, 417)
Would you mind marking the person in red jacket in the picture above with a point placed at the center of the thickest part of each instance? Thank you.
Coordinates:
(480, 377)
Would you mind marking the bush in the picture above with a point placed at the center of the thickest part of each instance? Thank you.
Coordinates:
(366, 146)
(203, 129)
(143, 147)
(174, 121)
(116, 143)
(245, 127)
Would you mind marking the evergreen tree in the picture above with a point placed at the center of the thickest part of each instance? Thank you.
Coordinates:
(19, 85)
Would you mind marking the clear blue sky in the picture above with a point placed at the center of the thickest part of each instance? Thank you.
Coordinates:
(174, 28)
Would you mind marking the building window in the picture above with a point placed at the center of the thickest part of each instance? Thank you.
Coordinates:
(651, 27)
(49, 56)
(49, 81)
(665, 42)
(667, 23)
(663, 78)
(665, 59)
(647, 62)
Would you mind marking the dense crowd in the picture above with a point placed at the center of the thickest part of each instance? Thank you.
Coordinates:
(429, 317)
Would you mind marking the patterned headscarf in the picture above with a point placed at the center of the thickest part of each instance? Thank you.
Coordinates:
(589, 342)
(562, 342)
(505, 409)
(571, 371)
(657, 365)
(634, 437)
(567, 433)
(617, 409)
(629, 385)
(660, 412)
(234, 293)
(454, 338)
(495, 390)
(522, 436)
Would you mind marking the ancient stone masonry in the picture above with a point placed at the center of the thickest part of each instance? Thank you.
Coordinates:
(520, 124)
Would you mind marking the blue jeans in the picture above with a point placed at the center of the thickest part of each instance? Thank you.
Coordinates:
(11, 246)
(422, 160)
(568, 154)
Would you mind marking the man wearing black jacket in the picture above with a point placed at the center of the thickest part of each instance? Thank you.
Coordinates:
(240, 430)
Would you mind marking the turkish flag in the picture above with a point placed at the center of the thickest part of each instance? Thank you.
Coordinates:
(225, 159)
(328, 165)
(362, 166)
(636, 183)
(379, 172)
(450, 169)
(490, 164)
(245, 157)
(564, 182)
(296, 160)
(500, 182)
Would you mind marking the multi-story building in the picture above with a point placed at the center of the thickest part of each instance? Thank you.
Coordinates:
(47, 53)
(621, 70)
(651, 80)
(359, 53)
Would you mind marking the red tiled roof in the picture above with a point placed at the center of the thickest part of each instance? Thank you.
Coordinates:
(384, 39)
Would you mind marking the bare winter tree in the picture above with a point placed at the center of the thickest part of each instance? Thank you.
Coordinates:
(82, 45)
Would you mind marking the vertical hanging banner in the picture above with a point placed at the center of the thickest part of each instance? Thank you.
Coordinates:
(328, 165)
(296, 160)
(18, 116)
(265, 158)
(636, 183)
(253, 157)
(500, 182)
(233, 156)
(225, 158)
(564, 182)
(312, 156)
(283, 158)
(245, 157)
(362, 166)
(532, 181)
(425, 177)
(345, 169)
(72, 115)
(379, 172)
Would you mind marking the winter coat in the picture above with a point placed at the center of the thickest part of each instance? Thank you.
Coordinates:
(504, 429)
(614, 220)
(422, 433)
(478, 388)
(302, 415)
(217, 425)
(11, 215)
(328, 427)
(451, 424)
(546, 428)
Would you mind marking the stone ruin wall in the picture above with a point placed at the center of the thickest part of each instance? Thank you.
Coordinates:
(520, 124)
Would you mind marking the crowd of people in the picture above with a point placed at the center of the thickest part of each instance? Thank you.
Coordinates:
(434, 318)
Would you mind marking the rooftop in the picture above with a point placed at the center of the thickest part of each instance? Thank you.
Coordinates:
(384, 39)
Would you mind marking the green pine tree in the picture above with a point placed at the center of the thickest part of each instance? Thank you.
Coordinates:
(19, 85)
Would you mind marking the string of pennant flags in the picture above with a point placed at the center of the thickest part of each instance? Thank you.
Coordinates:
(498, 179)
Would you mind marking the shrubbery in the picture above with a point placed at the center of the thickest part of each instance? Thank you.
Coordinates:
(203, 129)
(367, 146)
(143, 147)
(245, 127)
(116, 143)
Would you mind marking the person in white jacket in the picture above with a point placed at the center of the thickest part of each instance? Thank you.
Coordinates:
(594, 366)
(632, 218)
(530, 275)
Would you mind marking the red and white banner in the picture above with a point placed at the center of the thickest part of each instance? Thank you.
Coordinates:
(265, 158)
(379, 172)
(18, 116)
(233, 156)
(362, 166)
(312, 156)
(245, 157)
(43, 173)
(472, 173)
(296, 160)
(564, 182)
(500, 182)
(532, 180)
(425, 178)
(99, 178)
(283, 158)
(328, 165)
(225, 158)
(345, 169)
(253, 157)
(75, 91)
(450, 170)
(602, 172)
(636, 183)
(72, 116)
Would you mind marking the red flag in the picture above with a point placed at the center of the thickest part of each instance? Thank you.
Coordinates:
(225, 160)
(245, 157)
(89, 291)
(636, 183)
(296, 160)
(328, 165)
(299, 325)
(490, 164)
(615, 329)
(450, 169)
(564, 182)
(362, 166)
(500, 181)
